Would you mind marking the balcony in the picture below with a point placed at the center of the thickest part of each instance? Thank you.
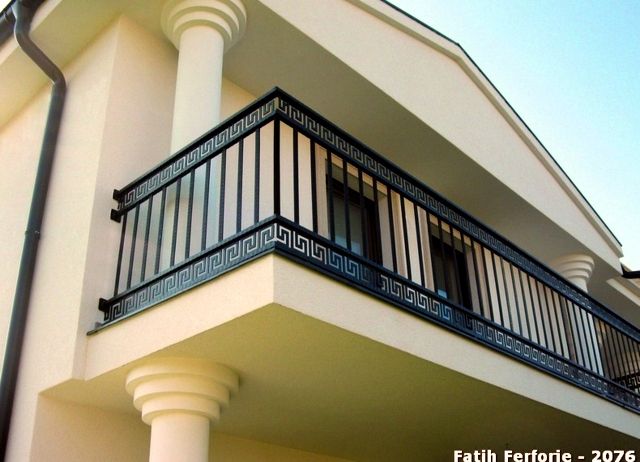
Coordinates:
(277, 177)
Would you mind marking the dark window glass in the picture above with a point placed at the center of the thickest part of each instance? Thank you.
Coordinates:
(450, 267)
(362, 218)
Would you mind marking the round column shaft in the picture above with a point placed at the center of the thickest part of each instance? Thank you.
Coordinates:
(179, 398)
(576, 268)
(178, 436)
(198, 85)
(202, 30)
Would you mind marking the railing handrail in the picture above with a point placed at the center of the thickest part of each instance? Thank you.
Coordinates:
(120, 194)
(544, 273)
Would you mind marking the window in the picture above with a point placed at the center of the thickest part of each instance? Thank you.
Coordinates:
(449, 266)
(353, 215)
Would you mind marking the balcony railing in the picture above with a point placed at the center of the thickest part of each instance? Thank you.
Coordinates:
(277, 177)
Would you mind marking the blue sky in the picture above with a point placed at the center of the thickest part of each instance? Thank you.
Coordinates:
(571, 69)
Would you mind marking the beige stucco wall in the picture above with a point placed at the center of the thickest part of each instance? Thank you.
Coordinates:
(68, 432)
(19, 148)
(116, 125)
(58, 278)
(102, 140)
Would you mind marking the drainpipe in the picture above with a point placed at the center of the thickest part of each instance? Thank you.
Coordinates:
(23, 11)
(6, 24)
(630, 274)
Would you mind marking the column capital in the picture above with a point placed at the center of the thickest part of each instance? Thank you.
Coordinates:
(575, 267)
(181, 385)
(228, 17)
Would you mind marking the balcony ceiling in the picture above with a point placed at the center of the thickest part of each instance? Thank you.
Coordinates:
(310, 385)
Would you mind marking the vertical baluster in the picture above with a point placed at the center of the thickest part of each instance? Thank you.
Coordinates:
(601, 331)
(636, 354)
(558, 313)
(443, 259)
(223, 178)
(475, 272)
(176, 214)
(615, 351)
(392, 232)
(363, 227)
(147, 230)
(239, 185)
(132, 252)
(515, 295)
(633, 358)
(591, 334)
(456, 269)
(582, 339)
(635, 347)
(205, 207)
(628, 354)
(256, 209)
(506, 292)
(378, 225)
(568, 329)
(296, 179)
(345, 193)
(163, 203)
(498, 297)
(416, 217)
(276, 167)
(120, 252)
(619, 352)
(314, 191)
(405, 237)
(486, 279)
(542, 306)
(614, 363)
(533, 308)
(622, 355)
(332, 226)
(551, 323)
(187, 240)
(526, 308)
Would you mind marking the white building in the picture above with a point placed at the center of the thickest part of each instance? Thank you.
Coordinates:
(375, 261)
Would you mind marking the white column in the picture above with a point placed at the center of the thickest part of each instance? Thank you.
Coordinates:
(202, 30)
(179, 398)
(577, 268)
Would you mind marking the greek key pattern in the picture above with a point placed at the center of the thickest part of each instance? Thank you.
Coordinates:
(190, 274)
(183, 163)
(314, 127)
(330, 258)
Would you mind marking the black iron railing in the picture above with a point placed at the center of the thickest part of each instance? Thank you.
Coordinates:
(277, 177)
